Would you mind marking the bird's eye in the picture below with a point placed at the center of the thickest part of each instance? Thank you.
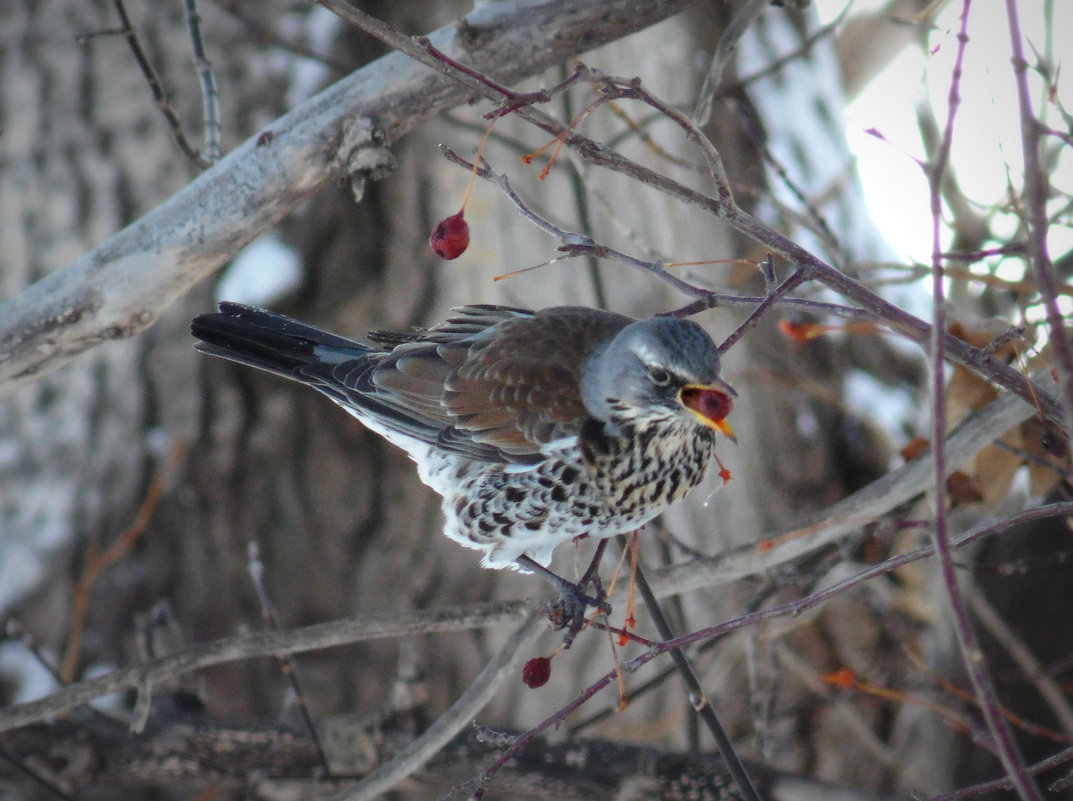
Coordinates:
(659, 376)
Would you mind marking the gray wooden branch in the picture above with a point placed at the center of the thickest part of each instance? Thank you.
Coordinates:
(121, 287)
(264, 643)
(271, 761)
(853, 513)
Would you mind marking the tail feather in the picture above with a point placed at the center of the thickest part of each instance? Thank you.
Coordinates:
(270, 341)
(343, 370)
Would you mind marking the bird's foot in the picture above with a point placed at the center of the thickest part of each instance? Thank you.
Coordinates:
(568, 610)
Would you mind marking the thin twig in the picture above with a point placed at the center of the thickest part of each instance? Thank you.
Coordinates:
(456, 718)
(13, 628)
(579, 189)
(813, 218)
(210, 96)
(157, 88)
(972, 656)
(256, 569)
(267, 35)
(741, 22)
(774, 295)
(97, 563)
(1035, 204)
(715, 300)
(732, 86)
(697, 697)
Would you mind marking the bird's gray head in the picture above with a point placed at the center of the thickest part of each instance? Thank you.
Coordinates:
(658, 367)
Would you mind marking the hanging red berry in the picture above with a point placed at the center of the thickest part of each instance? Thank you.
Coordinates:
(536, 672)
(450, 237)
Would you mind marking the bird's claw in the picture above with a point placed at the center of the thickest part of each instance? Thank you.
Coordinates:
(569, 609)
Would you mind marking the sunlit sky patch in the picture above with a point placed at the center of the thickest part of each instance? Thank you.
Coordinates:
(986, 156)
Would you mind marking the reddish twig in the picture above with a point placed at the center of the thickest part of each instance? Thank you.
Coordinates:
(1044, 765)
(1035, 205)
(979, 676)
(97, 563)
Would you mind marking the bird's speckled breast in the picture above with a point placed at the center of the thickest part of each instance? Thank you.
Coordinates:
(598, 486)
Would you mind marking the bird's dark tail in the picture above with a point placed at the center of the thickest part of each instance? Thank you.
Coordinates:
(270, 341)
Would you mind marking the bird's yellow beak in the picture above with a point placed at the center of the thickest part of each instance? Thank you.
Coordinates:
(710, 404)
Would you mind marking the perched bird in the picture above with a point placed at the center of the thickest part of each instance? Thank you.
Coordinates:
(535, 426)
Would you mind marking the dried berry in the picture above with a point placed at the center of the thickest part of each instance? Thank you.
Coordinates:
(536, 672)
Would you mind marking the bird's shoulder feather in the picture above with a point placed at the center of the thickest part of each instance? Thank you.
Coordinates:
(497, 380)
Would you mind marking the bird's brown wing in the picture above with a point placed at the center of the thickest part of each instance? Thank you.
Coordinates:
(497, 380)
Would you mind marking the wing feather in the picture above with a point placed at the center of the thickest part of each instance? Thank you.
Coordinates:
(492, 383)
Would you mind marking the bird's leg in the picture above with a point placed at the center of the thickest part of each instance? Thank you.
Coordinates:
(591, 573)
(630, 622)
(568, 611)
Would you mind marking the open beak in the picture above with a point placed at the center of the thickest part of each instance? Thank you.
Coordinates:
(710, 403)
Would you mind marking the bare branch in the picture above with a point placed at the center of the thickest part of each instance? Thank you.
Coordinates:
(157, 88)
(210, 96)
(1035, 200)
(447, 725)
(121, 287)
(849, 515)
(724, 49)
(270, 643)
(971, 655)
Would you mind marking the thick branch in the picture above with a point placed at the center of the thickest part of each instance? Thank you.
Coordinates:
(121, 287)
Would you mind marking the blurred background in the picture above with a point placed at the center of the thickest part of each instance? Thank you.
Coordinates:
(821, 121)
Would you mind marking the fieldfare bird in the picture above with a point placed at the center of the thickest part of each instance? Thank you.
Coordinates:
(536, 427)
